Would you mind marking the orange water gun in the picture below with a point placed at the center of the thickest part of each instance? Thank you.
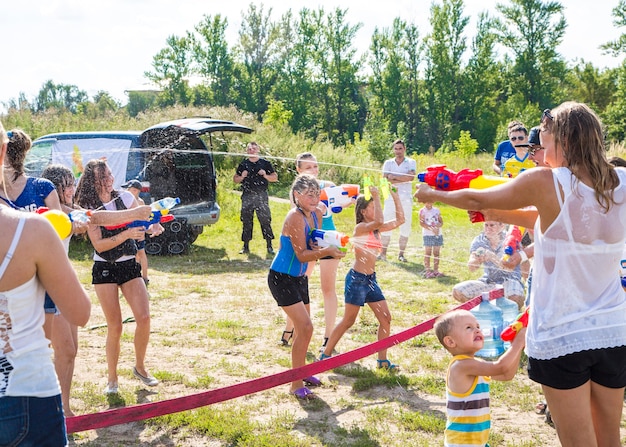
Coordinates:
(511, 332)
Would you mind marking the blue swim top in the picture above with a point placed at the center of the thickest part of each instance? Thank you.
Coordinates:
(286, 260)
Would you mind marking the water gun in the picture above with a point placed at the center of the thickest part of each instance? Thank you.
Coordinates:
(444, 179)
(80, 216)
(155, 217)
(623, 273)
(58, 219)
(327, 238)
(510, 332)
(512, 241)
(384, 186)
(337, 197)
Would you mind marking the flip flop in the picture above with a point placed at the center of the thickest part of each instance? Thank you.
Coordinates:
(312, 381)
(303, 393)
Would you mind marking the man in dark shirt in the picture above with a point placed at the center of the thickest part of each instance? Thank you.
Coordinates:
(254, 174)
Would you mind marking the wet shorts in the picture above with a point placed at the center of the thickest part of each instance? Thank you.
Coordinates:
(360, 289)
(288, 290)
(115, 272)
(141, 245)
(606, 367)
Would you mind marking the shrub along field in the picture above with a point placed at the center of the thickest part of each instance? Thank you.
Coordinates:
(215, 323)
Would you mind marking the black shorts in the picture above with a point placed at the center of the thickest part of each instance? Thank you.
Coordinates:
(606, 367)
(288, 290)
(115, 272)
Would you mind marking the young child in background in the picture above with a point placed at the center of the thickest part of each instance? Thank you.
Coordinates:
(467, 380)
(134, 187)
(431, 223)
(361, 286)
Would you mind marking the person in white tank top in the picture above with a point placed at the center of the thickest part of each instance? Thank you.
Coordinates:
(32, 260)
(576, 338)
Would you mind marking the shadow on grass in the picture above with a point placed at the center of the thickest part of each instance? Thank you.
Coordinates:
(322, 423)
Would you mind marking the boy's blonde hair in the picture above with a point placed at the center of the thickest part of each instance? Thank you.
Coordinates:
(445, 323)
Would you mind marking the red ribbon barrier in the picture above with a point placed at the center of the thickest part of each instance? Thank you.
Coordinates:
(154, 409)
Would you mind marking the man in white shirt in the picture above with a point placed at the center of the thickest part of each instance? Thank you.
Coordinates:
(400, 172)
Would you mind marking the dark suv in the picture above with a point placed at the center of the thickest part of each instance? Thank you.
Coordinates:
(173, 158)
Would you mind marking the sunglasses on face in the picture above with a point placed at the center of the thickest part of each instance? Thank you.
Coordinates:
(518, 138)
(546, 115)
(533, 150)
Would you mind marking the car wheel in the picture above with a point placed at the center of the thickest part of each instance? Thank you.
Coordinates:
(177, 247)
(153, 247)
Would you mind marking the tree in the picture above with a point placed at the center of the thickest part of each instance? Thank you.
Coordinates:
(213, 60)
(256, 75)
(538, 67)
(344, 102)
(294, 85)
(59, 96)
(617, 47)
(484, 85)
(444, 75)
(172, 67)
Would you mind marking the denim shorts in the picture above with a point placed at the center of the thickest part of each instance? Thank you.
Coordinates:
(49, 307)
(360, 289)
(288, 290)
(115, 272)
(606, 367)
(32, 422)
(432, 240)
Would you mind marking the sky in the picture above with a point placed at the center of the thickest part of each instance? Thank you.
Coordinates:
(108, 45)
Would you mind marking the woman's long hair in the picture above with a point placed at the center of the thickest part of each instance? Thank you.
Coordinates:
(90, 184)
(578, 132)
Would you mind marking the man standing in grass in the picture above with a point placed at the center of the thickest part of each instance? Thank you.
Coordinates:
(400, 172)
(254, 174)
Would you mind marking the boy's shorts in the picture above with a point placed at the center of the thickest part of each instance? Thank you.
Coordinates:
(288, 290)
(115, 272)
(360, 289)
(606, 367)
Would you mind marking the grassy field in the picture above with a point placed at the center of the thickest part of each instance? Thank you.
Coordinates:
(215, 324)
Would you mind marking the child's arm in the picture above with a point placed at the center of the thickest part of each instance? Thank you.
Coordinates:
(423, 223)
(376, 223)
(502, 369)
(294, 228)
(399, 220)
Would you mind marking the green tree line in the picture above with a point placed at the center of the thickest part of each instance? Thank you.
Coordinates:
(302, 70)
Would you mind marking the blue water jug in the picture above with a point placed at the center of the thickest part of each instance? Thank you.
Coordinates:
(490, 320)
(510, 311)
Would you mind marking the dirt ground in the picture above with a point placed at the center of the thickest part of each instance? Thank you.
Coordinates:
(181, 346)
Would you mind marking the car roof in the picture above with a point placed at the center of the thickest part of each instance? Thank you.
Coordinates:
(202, 125)
(130, 134)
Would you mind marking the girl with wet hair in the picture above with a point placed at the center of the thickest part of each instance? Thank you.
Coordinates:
(576, 338)
(115, 267)
(63, 334)
(287, 278)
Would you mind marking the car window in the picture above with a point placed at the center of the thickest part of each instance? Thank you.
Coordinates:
(38, 157)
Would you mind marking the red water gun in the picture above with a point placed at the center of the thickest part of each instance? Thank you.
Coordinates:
(510, 332)
(445, 179)
(513, 241)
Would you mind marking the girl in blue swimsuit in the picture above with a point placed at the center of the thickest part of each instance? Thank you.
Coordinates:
(287, 278)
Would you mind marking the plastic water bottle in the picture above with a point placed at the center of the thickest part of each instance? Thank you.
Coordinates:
(510, 311)
(81, 216)
(490, 320)
(166, 203)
